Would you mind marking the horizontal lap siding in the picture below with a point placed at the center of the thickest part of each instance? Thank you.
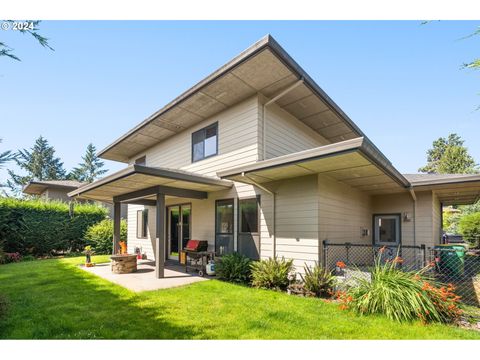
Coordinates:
(297, 220)
(343, 212)
(437, 220)
(286, 134)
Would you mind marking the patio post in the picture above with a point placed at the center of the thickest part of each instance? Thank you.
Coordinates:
(160, 237)
(116, 226)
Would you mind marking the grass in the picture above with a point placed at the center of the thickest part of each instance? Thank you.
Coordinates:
(54, 299)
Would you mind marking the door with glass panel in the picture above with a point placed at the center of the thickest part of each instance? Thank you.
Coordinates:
(179, 219)
(249, 227)
(224, 226)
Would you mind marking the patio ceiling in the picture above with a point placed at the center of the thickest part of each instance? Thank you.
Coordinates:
(138, 181)
(354, 162)
(264, 68)
(451, 189)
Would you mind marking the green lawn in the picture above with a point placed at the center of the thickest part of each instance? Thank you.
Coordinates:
(54, 299)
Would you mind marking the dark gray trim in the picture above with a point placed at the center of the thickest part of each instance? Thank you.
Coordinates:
(144, 202)
(160, 237)
(116, 227)
(259, 225)
(158, 172)
(160, 189)
(399, 226)
(167, 224)
(137, 227)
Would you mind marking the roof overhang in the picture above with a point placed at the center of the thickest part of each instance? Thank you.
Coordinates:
(355, 162)
(38, 187)
(453, 190)
(264, 68)
(142, 182)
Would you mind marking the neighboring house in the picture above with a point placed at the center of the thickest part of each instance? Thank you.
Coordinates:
(52, 189)
(257, 159)
(59, 189)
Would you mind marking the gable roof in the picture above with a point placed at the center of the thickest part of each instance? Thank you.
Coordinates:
(37, 187)
(264, 68)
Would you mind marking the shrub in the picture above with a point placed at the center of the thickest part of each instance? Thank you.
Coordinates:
(39, 227)
(469, 227)
(400, 295)
(273, 273)
(318, 281)
(12, 257)
(235, 268)
(100, 235)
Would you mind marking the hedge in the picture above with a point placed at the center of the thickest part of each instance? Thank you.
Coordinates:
(100, 236)
(39, 227)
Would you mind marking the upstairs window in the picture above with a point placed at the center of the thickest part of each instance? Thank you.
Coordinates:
(205, 143)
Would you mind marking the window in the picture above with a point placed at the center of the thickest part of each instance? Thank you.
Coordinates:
(248, 215)
(387, 229)
(205, 142)
(224, 227)
(142, 223)
(141, 161)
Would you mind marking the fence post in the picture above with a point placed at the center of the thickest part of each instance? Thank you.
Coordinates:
(324, 253)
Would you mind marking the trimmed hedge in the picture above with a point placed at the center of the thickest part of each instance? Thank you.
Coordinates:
(39, 227)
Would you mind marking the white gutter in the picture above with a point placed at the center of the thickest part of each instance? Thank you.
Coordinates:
(274, 247)
(264, 108)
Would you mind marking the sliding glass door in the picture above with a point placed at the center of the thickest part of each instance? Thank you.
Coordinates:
(178, 231)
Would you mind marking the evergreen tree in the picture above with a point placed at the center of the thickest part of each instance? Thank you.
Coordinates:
(449, 156)
(39, 163)
(91, 167)
(5, 156)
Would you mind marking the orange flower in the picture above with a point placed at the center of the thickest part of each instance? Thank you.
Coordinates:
(341, 264)
(382, 249)
(397, 260)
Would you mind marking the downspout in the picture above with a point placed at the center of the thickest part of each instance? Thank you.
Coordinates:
(268, 191)
(414, 197)
(264, 111)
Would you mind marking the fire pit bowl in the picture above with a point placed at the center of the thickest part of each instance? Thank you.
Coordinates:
(124, 264)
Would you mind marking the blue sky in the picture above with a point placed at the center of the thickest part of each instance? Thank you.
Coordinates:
(400, 82)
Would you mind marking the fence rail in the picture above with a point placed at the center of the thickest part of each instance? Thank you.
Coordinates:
(453, 264)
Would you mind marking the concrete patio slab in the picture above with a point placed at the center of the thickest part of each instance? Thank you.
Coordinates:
(144, 279)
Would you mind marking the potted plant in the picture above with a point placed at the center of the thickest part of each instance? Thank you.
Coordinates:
(88, 256)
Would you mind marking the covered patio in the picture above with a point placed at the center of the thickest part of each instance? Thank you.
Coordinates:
(142, 185)
(144, 279)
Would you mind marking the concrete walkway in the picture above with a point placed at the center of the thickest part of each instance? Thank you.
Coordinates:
(144, 279)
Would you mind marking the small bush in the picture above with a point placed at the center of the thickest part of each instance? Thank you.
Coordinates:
(273, 273)
(235, 268)
(400, 295)
(318, 281)
(12, 257)
(100, 235)
(469, 227)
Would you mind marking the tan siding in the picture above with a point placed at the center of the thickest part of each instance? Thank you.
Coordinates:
(343, 212)
(237, 142)
(297, 220)
(286, 134)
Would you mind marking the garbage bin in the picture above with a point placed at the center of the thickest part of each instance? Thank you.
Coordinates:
(451, 259)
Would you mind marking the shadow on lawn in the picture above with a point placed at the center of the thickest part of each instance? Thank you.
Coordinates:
(59, 301)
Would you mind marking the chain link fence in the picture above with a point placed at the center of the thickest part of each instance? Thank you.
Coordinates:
(448, 264)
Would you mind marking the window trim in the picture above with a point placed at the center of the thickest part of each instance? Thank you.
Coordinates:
(145, 229)
(399, 216)
(239, 214)
(215, 124)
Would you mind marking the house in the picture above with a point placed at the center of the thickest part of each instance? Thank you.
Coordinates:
(52, 189)
(256, 158)
(59, 189)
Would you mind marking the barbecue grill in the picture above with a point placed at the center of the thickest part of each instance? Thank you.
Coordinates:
(197, 255)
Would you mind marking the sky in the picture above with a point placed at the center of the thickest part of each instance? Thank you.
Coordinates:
(400, 82)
